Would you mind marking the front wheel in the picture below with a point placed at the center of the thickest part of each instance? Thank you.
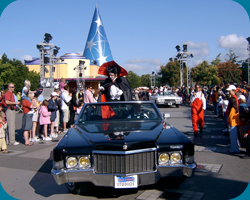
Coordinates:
(177, 105)
(79, 188)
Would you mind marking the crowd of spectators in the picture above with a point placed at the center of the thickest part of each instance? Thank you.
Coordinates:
(47, 118)
(43, 119)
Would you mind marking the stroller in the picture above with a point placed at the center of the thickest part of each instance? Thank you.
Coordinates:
(19, 109)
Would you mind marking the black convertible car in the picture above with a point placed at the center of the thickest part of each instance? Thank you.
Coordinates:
(122, 145)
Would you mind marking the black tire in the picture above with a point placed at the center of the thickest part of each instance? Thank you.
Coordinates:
(79, 188)
(172, 182)
(177, 105)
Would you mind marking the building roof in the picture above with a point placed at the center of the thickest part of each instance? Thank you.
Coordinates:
(72, 56)
(34, 61)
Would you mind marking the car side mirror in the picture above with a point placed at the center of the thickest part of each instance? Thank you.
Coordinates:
(166, 115)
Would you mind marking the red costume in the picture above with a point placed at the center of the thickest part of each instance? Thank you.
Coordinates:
(197, 113)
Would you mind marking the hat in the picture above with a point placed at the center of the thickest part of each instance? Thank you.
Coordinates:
(54, 94)
(242, 97)
(231, 87)
(37, 93)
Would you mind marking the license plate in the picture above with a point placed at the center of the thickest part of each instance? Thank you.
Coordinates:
(170, 103)
(126, 181)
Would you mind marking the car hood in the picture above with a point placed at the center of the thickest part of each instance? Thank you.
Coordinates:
(115, 136)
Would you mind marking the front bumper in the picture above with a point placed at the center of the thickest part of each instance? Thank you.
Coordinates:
(88, 175)
(169, 102)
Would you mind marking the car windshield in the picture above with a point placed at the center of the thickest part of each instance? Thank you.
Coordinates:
(118, 112)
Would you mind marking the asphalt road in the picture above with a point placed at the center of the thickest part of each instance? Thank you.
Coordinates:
(25, 171)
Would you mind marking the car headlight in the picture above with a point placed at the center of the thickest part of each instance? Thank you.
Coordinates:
(84, 161)
(71, 162)
(163, 158)
(176, 158)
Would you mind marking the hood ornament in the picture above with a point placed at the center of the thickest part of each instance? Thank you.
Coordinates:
(125, 146)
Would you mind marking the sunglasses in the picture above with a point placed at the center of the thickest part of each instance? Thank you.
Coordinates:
(12, 87)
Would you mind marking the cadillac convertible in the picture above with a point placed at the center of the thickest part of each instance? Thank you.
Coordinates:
(166, 98)
(122, 144)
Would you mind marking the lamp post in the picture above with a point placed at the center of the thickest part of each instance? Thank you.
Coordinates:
(152, 79)
(248, 60)
(47, 52)
(184, 59)
(80, 74)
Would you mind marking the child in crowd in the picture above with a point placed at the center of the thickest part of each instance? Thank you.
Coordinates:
(3, 127)
(1, 112)
(78, 110)
(25, 89)
(45, 119)
(35, 117)
(53, 107)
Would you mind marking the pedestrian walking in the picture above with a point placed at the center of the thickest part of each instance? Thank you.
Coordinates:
(198, 105)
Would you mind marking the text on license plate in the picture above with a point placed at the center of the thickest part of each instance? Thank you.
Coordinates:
(126, 181)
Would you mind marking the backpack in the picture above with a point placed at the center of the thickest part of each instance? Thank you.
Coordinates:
(3, 103)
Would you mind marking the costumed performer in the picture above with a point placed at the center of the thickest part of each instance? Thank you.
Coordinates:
(116, 87)
(198, 105)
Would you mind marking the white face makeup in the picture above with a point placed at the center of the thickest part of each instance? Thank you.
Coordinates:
(112, 76)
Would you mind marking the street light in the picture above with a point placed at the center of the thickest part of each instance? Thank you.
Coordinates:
(47, 37)
(178, 48)
(80, 74)
(184, 58)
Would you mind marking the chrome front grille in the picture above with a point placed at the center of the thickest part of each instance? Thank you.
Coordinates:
(124, 163)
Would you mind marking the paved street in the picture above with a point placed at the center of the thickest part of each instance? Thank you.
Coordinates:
(25, 171)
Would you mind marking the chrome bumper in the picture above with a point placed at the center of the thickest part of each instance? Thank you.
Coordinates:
(65, 176)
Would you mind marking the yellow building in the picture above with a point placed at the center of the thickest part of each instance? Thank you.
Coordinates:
(66, 69)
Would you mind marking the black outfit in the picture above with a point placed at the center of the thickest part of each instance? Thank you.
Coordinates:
(123, 84)
(71, 109)
(80, 97)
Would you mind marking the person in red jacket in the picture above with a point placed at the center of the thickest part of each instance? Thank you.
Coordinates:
(198, 104)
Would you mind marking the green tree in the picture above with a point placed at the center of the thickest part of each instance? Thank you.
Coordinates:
(232, 57)
(170, 74)
(16, 72)
(134, 79)
(229, 72)
(205, 74)
(217, 60)
(145, 80)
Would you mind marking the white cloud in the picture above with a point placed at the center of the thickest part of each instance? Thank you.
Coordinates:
(232, 42)
(143, 66)
(80, 53)
(198, 49)
(26, 57)
(237, 43)
(154, 61)
(133, 67)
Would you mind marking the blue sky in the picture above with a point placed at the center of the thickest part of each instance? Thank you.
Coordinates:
(142, 34)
